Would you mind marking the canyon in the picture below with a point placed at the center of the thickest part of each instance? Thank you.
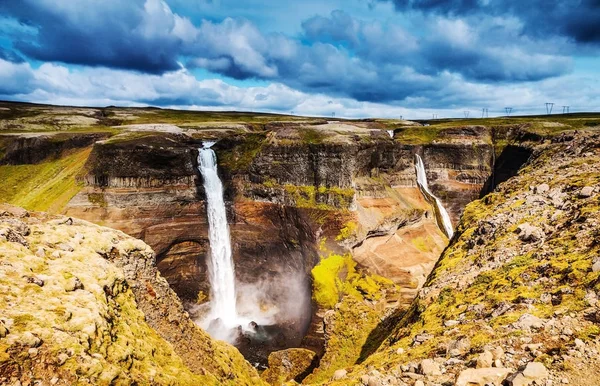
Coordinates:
(328, 225)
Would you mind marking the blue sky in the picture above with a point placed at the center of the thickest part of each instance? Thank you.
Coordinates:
(354, 58)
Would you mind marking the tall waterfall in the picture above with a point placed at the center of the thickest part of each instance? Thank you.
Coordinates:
(220, 266)
(391, 133)
(444, 218)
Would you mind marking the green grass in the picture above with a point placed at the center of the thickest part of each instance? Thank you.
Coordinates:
(47, 186)
(312, 136)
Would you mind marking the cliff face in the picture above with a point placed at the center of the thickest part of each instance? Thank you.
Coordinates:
(83, 304)
(293, 192)
(516, 289)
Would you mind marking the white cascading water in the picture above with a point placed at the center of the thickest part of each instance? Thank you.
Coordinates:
(220, 267)
(391, 133)
(422, 182)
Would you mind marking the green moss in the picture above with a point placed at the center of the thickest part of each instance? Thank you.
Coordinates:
(417, 135)
(47, 186)
(423, 244)
(97, 199)
(312, 136)
(240, 157)
(347, 231)
(336, 276)
(328, 277)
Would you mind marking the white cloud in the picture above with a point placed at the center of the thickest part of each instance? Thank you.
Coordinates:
(57, 84)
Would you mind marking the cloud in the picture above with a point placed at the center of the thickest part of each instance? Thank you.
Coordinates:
(138, 35)
(57, 84)
(414, 62)
(578, 20)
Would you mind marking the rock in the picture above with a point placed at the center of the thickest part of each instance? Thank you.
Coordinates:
(596, 266)
(528, 321)
(12, 211)
(35, 280)
(459, 347)
(482, 377)
(533, 346)
(374, 381)
(400, 351)
(13, 236)
(419, 383)
(533, 372)
(586, 192)
(30, 340)
(339, 374)
(579, 343)
(451, 323)
(498, 353)
(542, 188)
(429, 367)
(529, 233)
(501, 309)
(287, 365)
(73, 284)
(422, 338)
(485, 359)
(62, 358)
(66, 247)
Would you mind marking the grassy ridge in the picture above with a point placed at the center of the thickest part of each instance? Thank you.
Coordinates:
(47, 186)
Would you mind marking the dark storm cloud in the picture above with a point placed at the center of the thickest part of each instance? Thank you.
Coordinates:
(108, 33)
(577, 19)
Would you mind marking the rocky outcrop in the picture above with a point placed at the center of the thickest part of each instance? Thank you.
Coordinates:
(291, 364)
(516, 289)
(85, 304)
(19, 149)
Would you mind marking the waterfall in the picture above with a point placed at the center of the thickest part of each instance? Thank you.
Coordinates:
(442, 217)
(220, 266)
(391, 133)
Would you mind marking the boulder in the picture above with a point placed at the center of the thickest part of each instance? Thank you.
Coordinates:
(290, 364)
(485, 359)
(482, 377)
(430, 367)
(529, 233)
(459, 347)
(586, 192)
(339, 374)
(528, 321)
(533, 372)
(542, 188)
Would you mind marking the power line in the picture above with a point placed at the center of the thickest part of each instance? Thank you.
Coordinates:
(484, 113)
(508, 110)
(549, 106)
(466, 114)
(566, 109)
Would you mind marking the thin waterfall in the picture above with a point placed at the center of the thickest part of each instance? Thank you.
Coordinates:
(220, 266)
(391, 133)
(442, 215)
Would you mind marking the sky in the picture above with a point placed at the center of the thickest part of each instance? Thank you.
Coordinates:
(351, 58)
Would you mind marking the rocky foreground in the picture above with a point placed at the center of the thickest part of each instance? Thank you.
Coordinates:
(84, 304)
(514, 299)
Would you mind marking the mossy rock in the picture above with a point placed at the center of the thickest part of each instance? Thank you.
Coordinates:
(291, 364)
